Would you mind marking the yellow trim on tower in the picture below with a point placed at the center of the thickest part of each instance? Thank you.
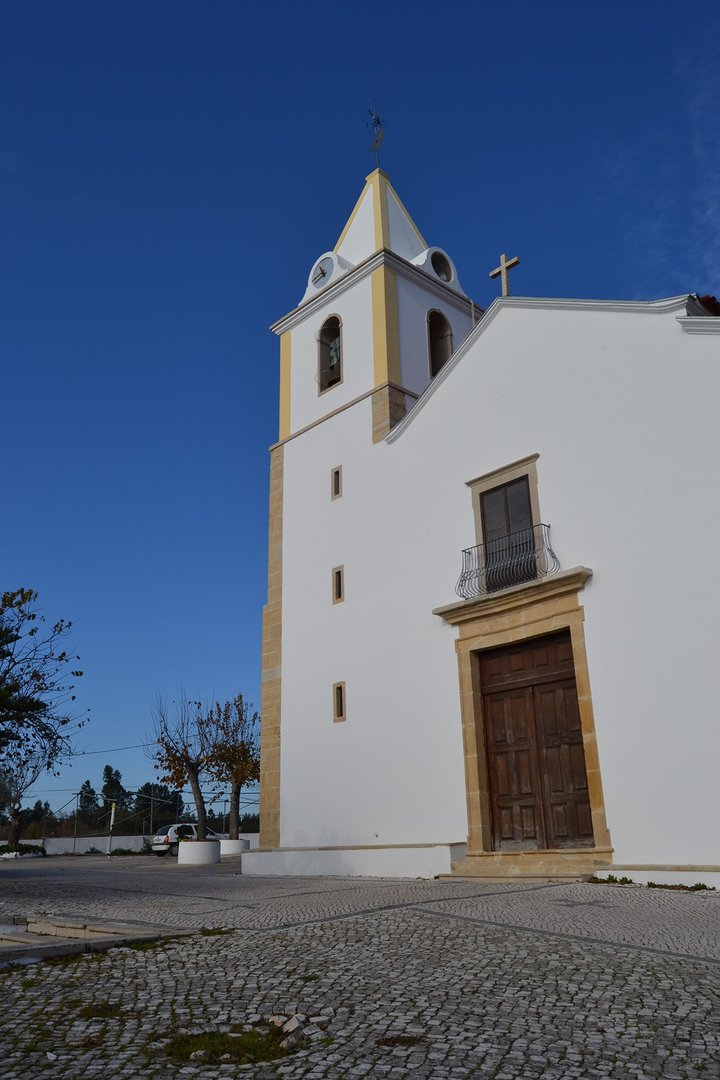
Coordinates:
(386, 330)
(353, 215)
(272, 662)
(284, 385)
(380, 209)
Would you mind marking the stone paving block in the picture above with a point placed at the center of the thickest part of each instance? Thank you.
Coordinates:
(504, 981)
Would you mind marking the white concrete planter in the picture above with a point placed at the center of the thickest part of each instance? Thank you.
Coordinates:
(198, 852)
(233, 847)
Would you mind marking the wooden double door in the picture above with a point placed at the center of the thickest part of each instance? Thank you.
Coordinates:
(536, 763)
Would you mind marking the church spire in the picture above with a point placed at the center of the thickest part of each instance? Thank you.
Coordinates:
(379, 220)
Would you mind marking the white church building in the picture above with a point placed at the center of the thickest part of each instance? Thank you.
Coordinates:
(491, 633)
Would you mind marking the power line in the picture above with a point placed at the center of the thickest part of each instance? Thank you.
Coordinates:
(116, 750)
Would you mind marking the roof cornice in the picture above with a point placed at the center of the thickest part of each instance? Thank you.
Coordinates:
(646, 307)
(697, 324)
(380, 258)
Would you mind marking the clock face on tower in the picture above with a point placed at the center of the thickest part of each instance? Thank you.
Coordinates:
(322, 272)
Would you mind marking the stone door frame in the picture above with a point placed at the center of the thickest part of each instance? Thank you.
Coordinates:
(526, 611)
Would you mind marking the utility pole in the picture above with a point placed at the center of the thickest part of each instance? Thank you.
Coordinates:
(112, 822)
(77, 807)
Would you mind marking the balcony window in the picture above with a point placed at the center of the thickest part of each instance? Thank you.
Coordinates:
(507, 525)
(513, 546)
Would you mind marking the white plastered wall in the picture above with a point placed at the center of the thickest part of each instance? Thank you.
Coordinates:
(403, 237)
(355, 246)
(621, 408)
(371, 779)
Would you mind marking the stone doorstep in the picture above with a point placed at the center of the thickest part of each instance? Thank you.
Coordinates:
(511, 879)
(537, 866)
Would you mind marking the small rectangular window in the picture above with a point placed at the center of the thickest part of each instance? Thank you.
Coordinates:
(336, 482)
(338, 584)
(338, 702)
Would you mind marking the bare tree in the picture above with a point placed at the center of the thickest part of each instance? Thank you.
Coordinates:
(17, 776)
(183, 748)
(234, 729)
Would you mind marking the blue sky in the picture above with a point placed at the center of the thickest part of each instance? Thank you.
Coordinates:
(168, 174)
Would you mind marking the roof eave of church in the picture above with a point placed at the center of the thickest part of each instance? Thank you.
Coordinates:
(502, 303)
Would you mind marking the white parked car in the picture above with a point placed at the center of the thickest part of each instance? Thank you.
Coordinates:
(167, 839)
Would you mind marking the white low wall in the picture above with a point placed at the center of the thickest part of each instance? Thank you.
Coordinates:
(401, 862)
(80, 845)
(63, 845)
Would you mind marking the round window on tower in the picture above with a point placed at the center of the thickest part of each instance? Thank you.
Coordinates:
(441, 266)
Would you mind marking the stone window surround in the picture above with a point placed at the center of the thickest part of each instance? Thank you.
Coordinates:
(436, 311)
(338, 595)
(318, 338)
(339, 716)
(498, 478)
(336, 489)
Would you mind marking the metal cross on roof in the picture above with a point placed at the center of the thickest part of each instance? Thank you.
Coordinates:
(501, 271)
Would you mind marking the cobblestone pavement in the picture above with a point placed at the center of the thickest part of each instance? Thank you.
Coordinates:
(482, 980)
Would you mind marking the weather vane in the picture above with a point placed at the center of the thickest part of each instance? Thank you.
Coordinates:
(378, 134)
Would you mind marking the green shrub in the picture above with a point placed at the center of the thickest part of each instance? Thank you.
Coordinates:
(22, 849)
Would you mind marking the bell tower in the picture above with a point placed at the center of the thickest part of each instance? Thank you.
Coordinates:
(380, 316)
(367, 323)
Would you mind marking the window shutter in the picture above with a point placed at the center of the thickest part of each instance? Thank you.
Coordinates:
(518, 505)
(506, 510)
(495, 523)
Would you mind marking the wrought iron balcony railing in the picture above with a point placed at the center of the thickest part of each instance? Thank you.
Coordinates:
(507, 560)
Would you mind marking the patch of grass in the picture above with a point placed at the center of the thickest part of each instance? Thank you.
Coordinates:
(102, 1010)
(400, 1040)
(699, 886)
(308, 978)
(63, 961)
(147, 946)
(124, 851)
(207, 931)
(244, 1049)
